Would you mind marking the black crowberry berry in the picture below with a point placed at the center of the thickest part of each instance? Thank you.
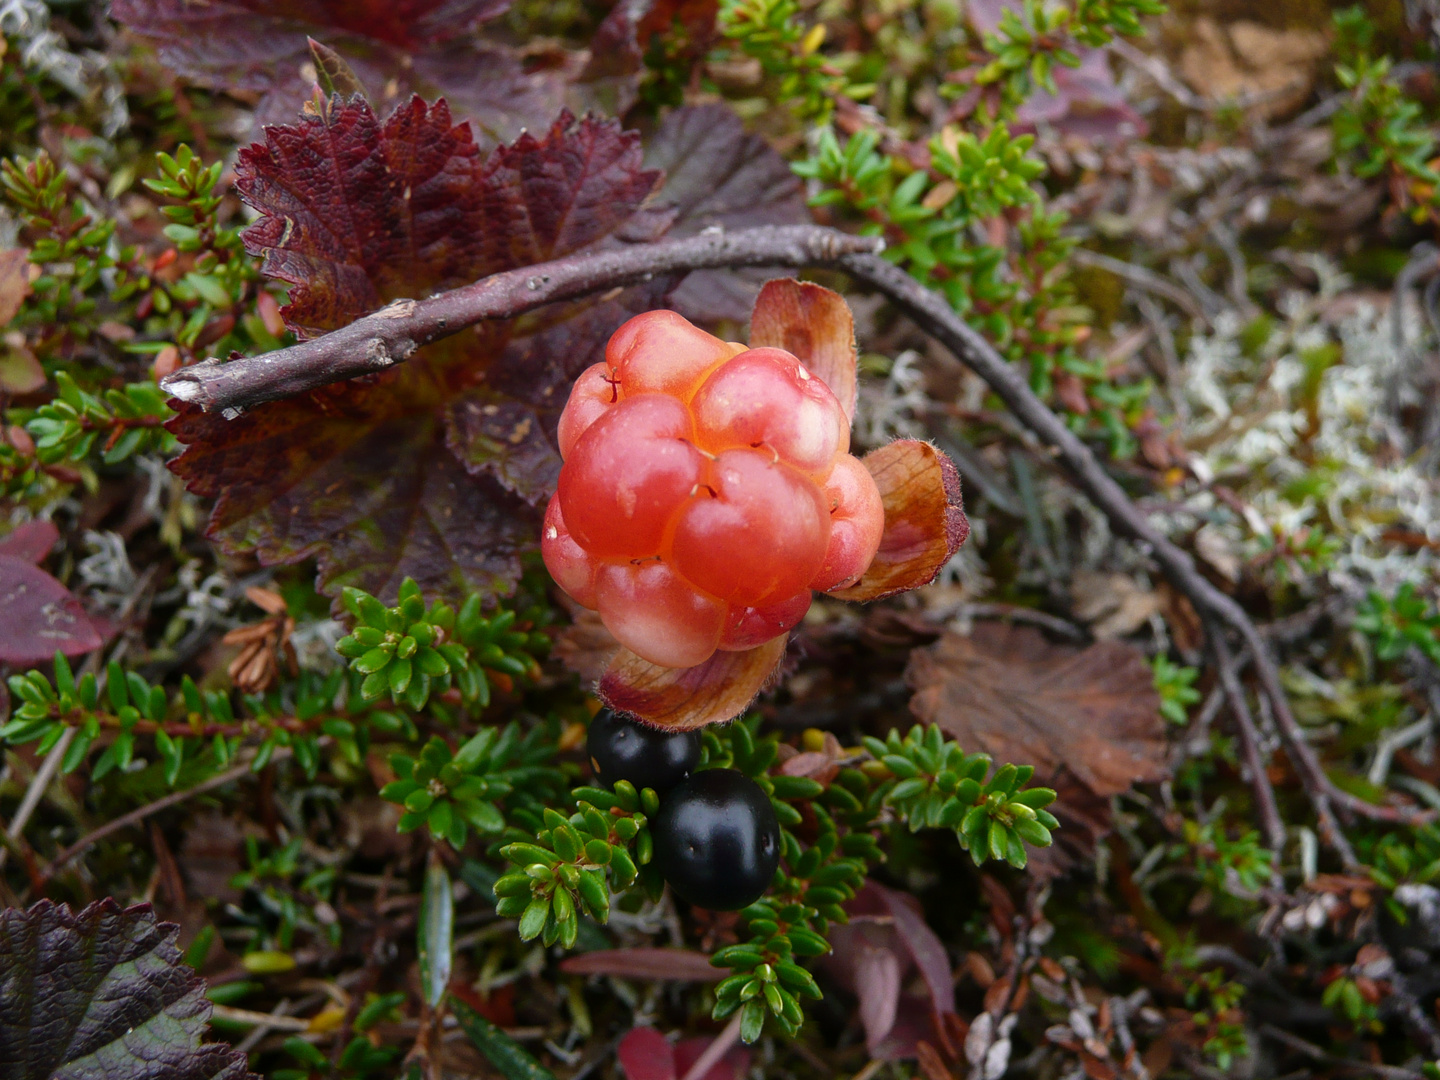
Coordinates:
(621, 749)
(717, 841)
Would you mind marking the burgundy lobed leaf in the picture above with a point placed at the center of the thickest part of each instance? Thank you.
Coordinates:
(356, 212)
(815, 324)
(718, 175)
(405, 473)
(41, 616)
(925, 522)
(682, 699)
(429, 47)
(101, 994)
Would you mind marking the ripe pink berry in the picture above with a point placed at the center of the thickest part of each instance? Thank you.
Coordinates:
(706, 490)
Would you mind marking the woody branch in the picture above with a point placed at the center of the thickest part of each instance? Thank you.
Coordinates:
(393, 334)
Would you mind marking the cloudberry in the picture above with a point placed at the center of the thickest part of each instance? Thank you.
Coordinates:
(706, 490)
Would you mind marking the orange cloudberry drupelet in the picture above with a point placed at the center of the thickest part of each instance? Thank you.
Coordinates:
(707, 489)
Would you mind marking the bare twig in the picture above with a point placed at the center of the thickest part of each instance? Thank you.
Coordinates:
(716, 1050)
(1142, 278)
(1270, 821)
(1315, 1053)
(39, 784)
(393, 333)
(930, 311)
(139, 814)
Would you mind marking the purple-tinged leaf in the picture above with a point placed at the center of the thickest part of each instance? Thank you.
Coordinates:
(716, 174)
(395, 474)
(102, 994)
(41, 616)
(670, 964)
(426, 47)
(32, 541)
(645, 1054)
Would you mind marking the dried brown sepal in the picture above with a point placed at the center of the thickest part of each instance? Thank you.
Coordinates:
(682, 699)
(925, 521)
(813, 323)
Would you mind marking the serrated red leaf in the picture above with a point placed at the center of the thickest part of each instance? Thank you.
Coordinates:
(427, 47)
(41, 616)
(357, 213)
(717, 174)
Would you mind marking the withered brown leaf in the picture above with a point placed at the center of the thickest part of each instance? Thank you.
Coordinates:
(1009, 692)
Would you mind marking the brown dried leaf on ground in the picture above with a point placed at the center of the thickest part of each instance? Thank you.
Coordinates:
(14, 282)
(1272, 69)
(1112, 604)
(1007, 691)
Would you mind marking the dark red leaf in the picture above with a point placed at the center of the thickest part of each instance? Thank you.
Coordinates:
(718, 175)
(428, 47)
(619, 45)
(641, 963)
(31, 541)
(102, 993)
(922, 944)
(645, 1054)
(41, 616)
(357, 213)
(734, 1064)
(874, 954)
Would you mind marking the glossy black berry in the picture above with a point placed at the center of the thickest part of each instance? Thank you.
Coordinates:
(621, 749)
(716, 840)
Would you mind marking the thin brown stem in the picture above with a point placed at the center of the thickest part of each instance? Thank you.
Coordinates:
(1270, 821)
(392, 334)
(139, 814)
(934, 315)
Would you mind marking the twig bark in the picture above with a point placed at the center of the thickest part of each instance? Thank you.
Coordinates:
(932, 314)
(392, 334)
(39, 784)
(140, 813)
(1270, 821)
